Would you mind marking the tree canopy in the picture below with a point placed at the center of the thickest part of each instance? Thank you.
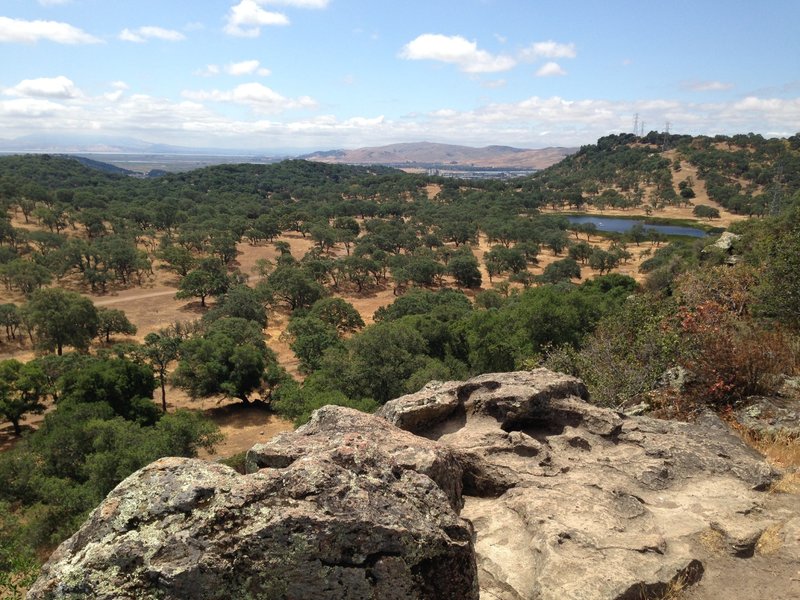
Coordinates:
(61, 318)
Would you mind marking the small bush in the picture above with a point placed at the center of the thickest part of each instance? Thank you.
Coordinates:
(732, 358)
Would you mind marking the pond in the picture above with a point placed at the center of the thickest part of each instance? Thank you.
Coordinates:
(623, 225)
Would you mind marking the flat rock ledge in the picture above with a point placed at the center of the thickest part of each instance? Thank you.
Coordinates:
(509, 485)
(573, 501)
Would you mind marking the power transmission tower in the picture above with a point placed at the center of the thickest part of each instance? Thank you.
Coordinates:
(666, 135)
(636, 124)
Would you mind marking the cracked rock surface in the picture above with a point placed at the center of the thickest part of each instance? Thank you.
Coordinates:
(569, 500)
(509, 485)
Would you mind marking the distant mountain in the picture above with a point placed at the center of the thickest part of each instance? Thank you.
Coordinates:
(102, 166)
(99, 144)
(420, 154)
(428, 154)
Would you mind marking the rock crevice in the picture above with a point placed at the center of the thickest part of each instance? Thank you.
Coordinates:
(511, 482)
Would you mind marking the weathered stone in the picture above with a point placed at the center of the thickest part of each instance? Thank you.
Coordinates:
(724, 243)
(573, 501)
(774, 417)
(346, 518)
(790, 540)
(567, 501)
(331, 428)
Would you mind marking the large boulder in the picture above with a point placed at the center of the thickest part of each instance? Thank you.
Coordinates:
(558, 499)
(327, 514)
(569, 500)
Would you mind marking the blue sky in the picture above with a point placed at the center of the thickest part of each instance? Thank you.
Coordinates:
(320, 74)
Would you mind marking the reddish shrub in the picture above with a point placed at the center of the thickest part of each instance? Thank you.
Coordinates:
(732, 358)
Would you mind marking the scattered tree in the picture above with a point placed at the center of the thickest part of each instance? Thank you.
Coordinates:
(60, 318)
(112, 320)
(229, 359)
(22, 387)
(209, 279)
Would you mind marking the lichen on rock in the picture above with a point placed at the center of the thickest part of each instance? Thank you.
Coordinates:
(512, 482)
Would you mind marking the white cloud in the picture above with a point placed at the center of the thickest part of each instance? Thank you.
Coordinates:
(246, 19)
(550, 69)
(126, 35)
(255, 95)
(237, 69)
(151, 32)
(208, 71)
(548, 49)
(455, 50)
(706, 86)
(246, 67)
(29, 107)
(119, 87)
(29, 32)
(247, 116)
(45, 87)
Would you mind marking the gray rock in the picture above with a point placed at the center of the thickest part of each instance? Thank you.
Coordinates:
(332, 428)
(675, 378)
(559, 499)
(771, 417)
(573, 501)
(725, 241)
(344, 518)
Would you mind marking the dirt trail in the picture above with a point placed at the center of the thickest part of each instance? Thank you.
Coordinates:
(134, 297)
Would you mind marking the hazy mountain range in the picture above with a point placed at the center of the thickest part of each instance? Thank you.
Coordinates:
(419, 154)
(101, 144)
(430, 154)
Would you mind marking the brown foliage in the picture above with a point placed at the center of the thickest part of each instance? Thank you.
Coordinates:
(732, 358)
(730, 287)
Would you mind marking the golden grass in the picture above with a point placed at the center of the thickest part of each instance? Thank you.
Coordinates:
(781, 450)
(712, 541)
(770, 541)
(674, 590)
(788, 484)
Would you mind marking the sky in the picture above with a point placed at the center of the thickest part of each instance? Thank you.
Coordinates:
(283, 75)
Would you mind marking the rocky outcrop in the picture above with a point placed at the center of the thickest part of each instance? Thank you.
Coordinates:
(569, 500)
(725, 241)
(776, 417)
(333, 516)
(558, 499)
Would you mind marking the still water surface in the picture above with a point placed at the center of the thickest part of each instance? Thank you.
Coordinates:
(623, 225)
